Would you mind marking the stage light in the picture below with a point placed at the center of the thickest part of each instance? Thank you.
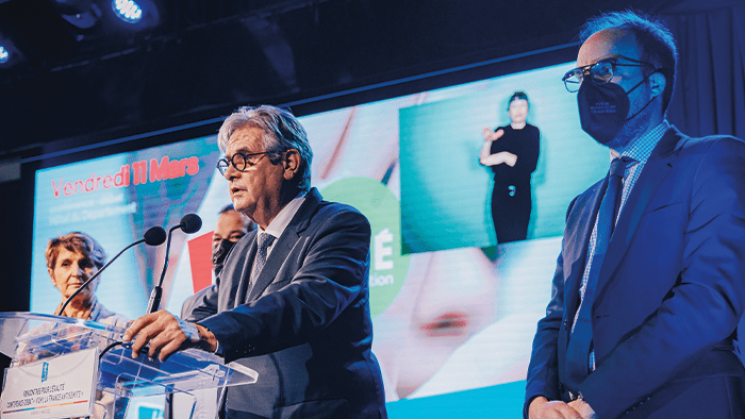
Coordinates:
(83, 14)
(127, 10)
(10, 56)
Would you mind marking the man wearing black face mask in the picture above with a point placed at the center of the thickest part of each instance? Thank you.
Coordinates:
(650, 284)
(231, 227)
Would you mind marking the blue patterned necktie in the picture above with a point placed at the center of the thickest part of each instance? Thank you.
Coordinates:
(264, 241)
(580, 342)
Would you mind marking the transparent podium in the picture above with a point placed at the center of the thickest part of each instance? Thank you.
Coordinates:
(62, 366)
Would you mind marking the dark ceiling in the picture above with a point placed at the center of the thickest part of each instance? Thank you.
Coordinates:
(196, 59)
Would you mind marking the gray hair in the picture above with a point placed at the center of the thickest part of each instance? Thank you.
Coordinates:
(652, 36)
(282, 131)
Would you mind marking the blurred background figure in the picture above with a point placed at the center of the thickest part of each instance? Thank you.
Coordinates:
(512, 153)
(231, 227)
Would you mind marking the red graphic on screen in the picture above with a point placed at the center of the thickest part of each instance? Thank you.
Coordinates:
(200, 258)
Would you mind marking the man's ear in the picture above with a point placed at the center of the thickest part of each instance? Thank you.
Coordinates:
(290, 163)
(657, 83)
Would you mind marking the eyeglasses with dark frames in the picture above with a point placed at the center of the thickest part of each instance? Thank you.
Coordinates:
(241, 161)
(600, 72)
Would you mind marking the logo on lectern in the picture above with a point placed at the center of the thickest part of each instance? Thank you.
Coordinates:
(44, 371)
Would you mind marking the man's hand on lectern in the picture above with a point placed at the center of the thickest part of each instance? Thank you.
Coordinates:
(165, 334)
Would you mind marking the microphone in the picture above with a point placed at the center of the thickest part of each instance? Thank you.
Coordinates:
(190, 223)
(155, 236)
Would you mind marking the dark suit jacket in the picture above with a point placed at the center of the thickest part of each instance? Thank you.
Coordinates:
(306, 328)
(670, 292)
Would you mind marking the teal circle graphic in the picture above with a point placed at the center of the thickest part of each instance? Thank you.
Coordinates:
(388, 267)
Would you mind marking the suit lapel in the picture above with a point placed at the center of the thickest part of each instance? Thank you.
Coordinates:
(579, 229)
(285, 243)
(238, 291)
(653, 174)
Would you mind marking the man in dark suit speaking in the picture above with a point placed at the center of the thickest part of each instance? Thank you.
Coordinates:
(292, 301)
(650, 283)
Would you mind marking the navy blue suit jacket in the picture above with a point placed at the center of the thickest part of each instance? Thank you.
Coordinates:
(306, 327)
(670, 292)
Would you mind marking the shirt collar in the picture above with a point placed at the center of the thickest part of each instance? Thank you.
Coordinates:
(282, 220)
(640, 148)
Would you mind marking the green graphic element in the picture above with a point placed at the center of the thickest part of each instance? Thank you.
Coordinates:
(388, 267)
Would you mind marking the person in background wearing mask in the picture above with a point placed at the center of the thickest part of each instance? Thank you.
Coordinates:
(512, 153)
(650, 283)
(231, 226)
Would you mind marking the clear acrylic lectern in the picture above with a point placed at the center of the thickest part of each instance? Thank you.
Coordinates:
(41, 345)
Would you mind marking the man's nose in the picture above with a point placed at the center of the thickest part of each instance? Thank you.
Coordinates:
(231, 172)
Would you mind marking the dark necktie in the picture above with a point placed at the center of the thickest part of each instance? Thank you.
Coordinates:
(264, 241)
(580, 342)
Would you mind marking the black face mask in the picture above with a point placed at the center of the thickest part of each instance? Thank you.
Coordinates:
(603, 109)
(219, 255)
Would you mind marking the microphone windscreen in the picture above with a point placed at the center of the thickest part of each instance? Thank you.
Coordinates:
(191, 223)
(155, 236)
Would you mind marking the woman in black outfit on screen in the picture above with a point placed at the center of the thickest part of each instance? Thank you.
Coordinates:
(512, 153)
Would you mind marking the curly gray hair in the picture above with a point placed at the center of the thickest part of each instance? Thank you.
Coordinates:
(282, 131)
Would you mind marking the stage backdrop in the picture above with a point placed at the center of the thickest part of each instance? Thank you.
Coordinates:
(453, 315)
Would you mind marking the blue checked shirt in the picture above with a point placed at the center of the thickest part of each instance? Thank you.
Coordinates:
(639, 151)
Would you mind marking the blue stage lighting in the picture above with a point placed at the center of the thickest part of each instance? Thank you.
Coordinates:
(127, 10)
(4, 55)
